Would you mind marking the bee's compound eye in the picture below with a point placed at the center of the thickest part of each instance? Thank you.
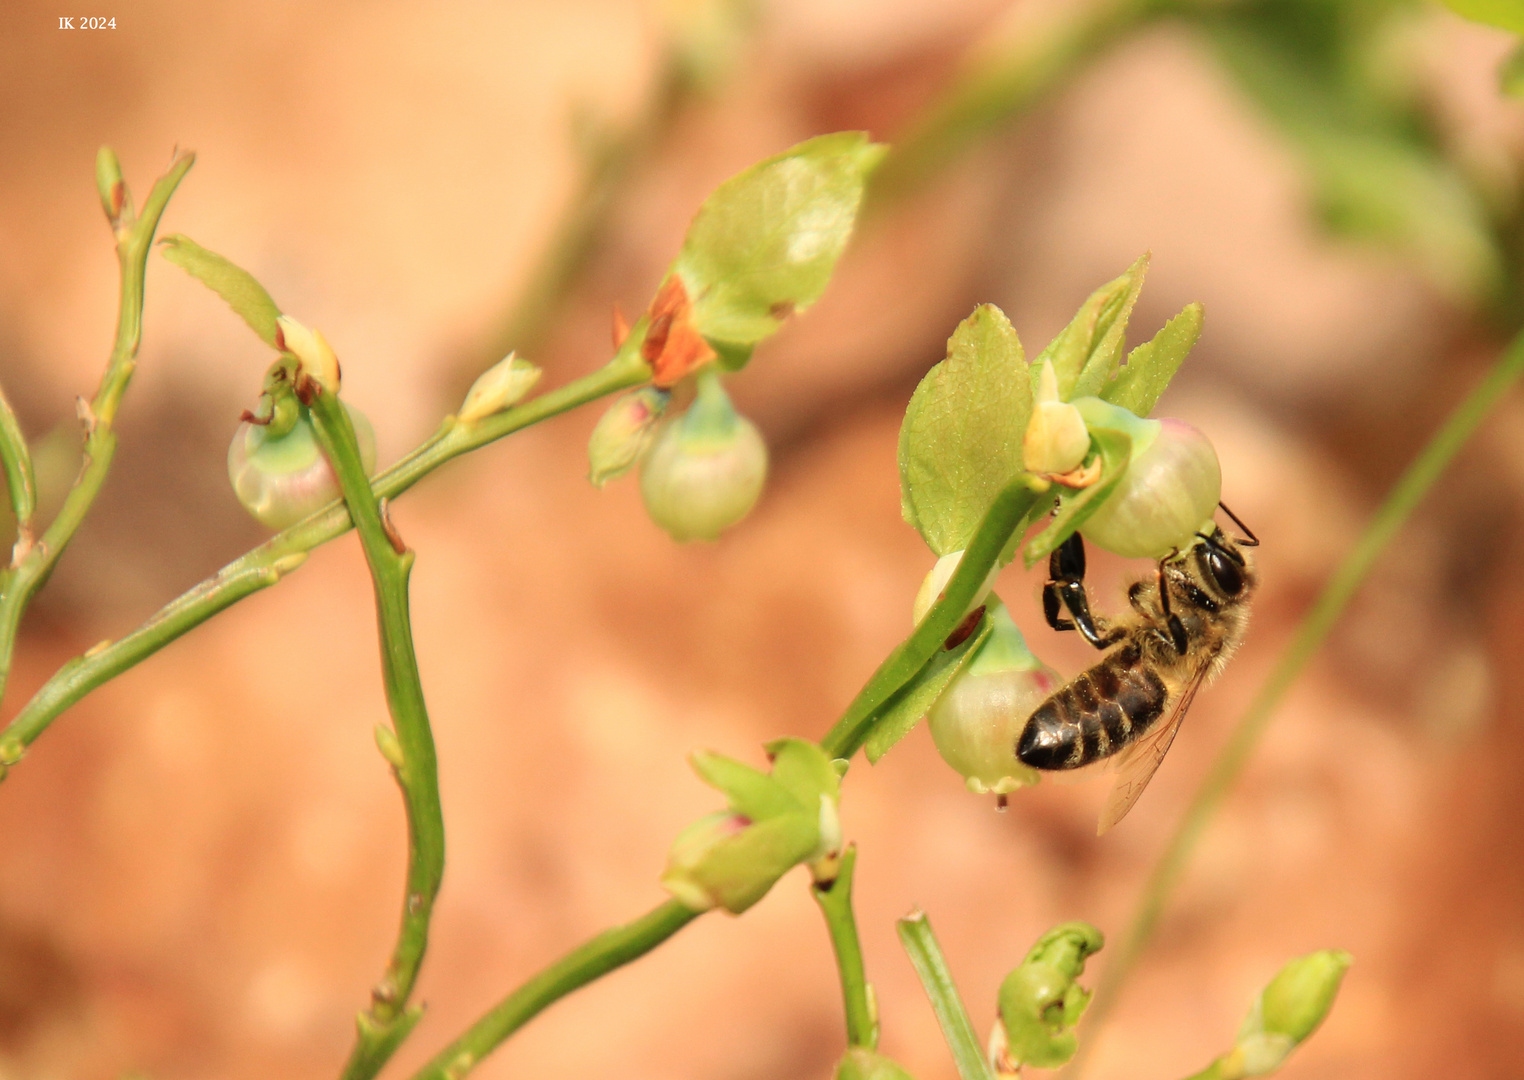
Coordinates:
(1226, 573)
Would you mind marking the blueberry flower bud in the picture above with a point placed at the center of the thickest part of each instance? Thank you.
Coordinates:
(281, 476)
(311, 348)
(705, 471)
(693, 845)
(978, 720)
(775, 821)
(936, 580)
(111, 186)
(1288, 1010)
(1168, 493)
(1056, 438)
(624, 433)
(503, 384)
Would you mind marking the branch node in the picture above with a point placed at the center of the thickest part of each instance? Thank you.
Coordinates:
(384, 506)
(86, 414)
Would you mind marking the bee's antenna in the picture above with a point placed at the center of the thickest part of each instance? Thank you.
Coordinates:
(1229, 550)
(1249, 540)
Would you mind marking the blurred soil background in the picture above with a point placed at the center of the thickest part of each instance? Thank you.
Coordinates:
(201, 864)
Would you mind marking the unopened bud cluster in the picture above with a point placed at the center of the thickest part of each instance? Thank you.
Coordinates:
(315, 357)
(1171, 485)
(1287, 1011)
(774, 822)
(700, 472)
(502, 385)
(624, 433)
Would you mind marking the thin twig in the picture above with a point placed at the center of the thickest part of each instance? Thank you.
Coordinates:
(134, 239)
(835, 900)
(390, 1017)
(926, 955)
(20, 481)
(609, 950)
(283, 552)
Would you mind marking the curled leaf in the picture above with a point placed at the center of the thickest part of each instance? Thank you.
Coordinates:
(1040, 1002)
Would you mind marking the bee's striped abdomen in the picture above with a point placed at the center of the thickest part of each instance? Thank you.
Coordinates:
(1096, 714)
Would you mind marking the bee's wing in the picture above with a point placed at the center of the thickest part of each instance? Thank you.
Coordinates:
(1137, 764)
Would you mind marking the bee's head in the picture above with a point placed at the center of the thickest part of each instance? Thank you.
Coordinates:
(1224, 564)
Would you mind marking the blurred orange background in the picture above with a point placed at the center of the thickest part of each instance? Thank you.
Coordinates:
(201, 864)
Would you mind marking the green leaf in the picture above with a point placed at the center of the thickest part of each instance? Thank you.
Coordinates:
(732, 357)
(1041, 508)
(804, 770)
(1087, 352)
(904, 710)
(1074, 509)
(765, 243)
(961, 440)
(235, 285)
(1504, 14)
(1152, 365)
(749, 792)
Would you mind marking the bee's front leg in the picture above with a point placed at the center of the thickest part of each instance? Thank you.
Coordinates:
(1171, 620)
(1065, 589)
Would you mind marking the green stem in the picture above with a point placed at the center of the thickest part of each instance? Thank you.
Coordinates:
(134, 239)
(1009, 509)
(1319, 621)
(20, 482)
(387, 1021)
(283, 552)
(926, 955)
(835, 900)
(609, 950)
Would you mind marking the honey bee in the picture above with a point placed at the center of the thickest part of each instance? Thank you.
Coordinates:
(1185, 623)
